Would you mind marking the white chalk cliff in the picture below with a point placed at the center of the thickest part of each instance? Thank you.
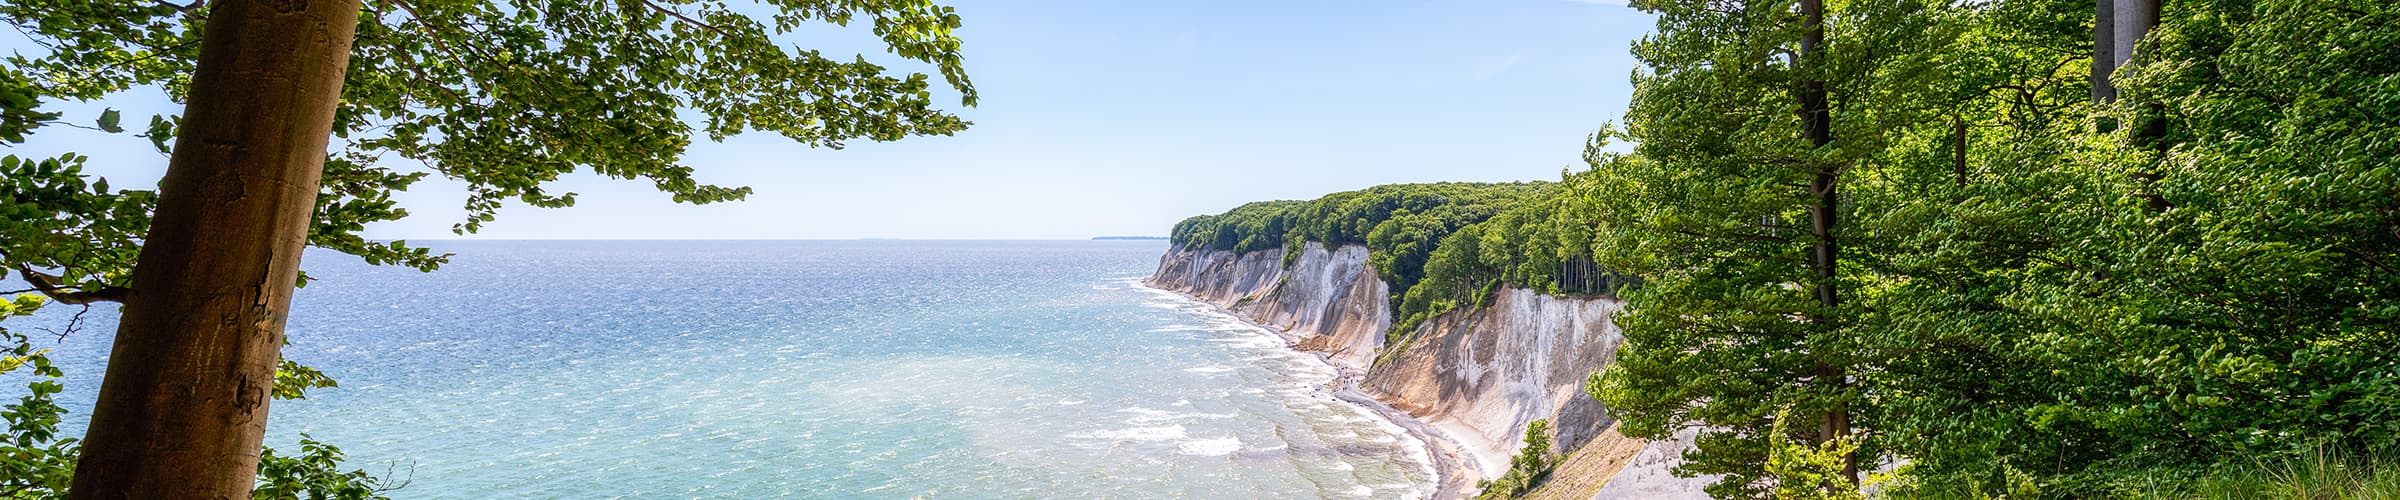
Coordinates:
(1479, 376)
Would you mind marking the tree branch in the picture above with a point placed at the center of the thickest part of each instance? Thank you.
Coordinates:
(686, 19)
(52, 286)
(2368, 258)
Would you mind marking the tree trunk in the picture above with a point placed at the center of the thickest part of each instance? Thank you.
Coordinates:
(1958, 148)
(2104, 50)
(184, 403)
(1816, 125)
(2131, 20)
(2118, 25)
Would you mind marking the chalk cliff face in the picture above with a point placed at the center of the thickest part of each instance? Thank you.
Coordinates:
(1330, 298)
(1480, 376)
(1490, 372)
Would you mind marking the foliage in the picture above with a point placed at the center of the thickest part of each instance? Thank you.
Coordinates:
(1531, 465)
(1402, 226)
(2319, 473)
(502, 97)
(1402, 214)
(1441, 247)
(2034, 301)
(34, 461)
(315, 474)
(1539, 243)
(37, 462)
(2208, 296)
(1805, 471)
(1720, 212)
(2228, 294)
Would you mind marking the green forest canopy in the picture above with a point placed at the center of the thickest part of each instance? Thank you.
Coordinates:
(1422, 238)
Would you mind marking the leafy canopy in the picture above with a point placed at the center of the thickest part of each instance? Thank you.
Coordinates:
(2036, 305)
(1401, 225)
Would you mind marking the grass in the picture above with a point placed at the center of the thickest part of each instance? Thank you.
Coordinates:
(2317, 475)
(2320, 474)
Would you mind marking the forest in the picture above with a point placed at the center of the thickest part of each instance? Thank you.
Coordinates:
(1933, 249)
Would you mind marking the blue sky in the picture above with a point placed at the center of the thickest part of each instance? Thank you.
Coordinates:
(1117, 118)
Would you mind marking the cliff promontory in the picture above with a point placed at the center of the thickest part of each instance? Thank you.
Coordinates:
(1469, 307)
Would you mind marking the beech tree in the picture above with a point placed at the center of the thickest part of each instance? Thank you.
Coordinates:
(302, 117)
(2117, 26)
(1758, 125)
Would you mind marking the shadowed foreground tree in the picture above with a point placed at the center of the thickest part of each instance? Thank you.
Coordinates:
(502, 96)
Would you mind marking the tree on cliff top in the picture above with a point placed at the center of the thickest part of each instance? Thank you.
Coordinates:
(504, 97)
(1757, 125)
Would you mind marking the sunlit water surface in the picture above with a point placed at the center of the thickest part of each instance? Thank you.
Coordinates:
(859, 369)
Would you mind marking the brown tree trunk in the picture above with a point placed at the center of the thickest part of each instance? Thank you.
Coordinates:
(1958, 148)
(184, 403)
(1816, 125)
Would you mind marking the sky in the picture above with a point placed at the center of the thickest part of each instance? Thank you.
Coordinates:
(1108, 117)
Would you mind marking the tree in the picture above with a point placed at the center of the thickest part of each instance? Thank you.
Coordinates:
(1758, 127)
(2030, 304)
(1528, 469)
(2244, 319)
(1824, 215)
(2118, 25)
(505, 98)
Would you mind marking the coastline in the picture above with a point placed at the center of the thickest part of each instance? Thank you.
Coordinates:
(1452, 466)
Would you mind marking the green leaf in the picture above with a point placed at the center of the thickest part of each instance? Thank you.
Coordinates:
(108, 121)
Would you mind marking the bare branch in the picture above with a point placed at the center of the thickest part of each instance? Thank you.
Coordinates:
(686, 19)
(53, 286)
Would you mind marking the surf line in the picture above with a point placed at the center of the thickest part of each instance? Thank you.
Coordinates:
(1445, 465)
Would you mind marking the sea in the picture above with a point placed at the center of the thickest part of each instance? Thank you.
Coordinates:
(813, 369)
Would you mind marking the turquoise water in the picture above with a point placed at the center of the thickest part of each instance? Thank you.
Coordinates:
(865, 369)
